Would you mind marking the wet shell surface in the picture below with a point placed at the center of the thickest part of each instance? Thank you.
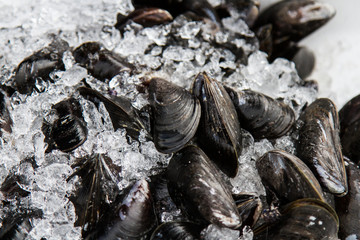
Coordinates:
(219, 133)
(319, 145)
(261, 115)
(176, 115)
(287, 177)
(196, 186)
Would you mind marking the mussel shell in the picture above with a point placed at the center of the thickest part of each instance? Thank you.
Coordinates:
(5, 118)
(293, 20)
(199, 7)
(18, 225)
(249, 207)
(136, 217)
(196, 186)
(121, 112)
(100, 62)
(177, 231)
(304, 60)
(348, 206)
(98, 190)
(39, 65)
(176, 115)
(319, 145)
(261, 115)
(147, 17)
(350, 129)
(287, 177)
(302, 219)
(68, 131)
(219, 133)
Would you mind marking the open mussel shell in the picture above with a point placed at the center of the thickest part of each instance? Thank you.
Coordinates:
(196, 186)
(293, 20)
(176, 115)
(121, 112)
(177, 231)
(287, 177)
(319, 145)
(349, 117)
(5, 118)
(261, 115)
(68, 131)
(219, 133)
(39, 65)
(100, 62)
(136, 217)
(249, 207)
(98, 190)
(302, 219)
(348, 206)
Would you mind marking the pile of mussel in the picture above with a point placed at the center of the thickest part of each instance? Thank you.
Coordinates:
(313, 194)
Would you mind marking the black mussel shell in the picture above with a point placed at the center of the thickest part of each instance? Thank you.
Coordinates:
(98, 190)
(199, 7)
(319, 145)
(350, 129)
(196, 186)
(261, 115)
(136, 217)
(287, 177)
(18, 225)
(68, 131)
(293, 20)
(219, 133)
(39, 65)
(121, 112)
(304, 60)
(147, 17)
(249, 207)
(302, 219)
(176, 115)
(100, 62)
(5, 118)
(264, 35)
(348, 206)
(177, 231)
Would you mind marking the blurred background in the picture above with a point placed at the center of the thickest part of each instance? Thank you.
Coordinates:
(337, 49)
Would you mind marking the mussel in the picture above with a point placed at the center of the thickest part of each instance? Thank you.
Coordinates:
(147, 17)
(66, 130)
(5, 118)
(249, 207)
(136, 217)
(196, 186)
(38, 66)
(98, 190)
(121, 112)
(286, 178)
(350, 129)
(219, 133)
(302, 219)
(261, 115)
(176, 115)
(199, 7)
(100, 62)
(177, 231)
(348, 206)
(319, 145)
(295, 19)
(18, 225)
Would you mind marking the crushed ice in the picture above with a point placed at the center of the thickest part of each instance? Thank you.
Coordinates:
(176, 51)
